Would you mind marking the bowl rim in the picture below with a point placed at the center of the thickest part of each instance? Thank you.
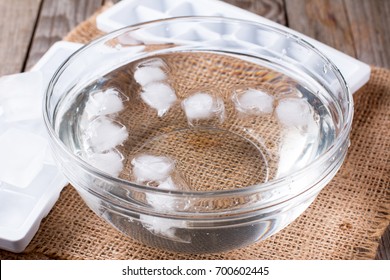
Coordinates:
(323, 157)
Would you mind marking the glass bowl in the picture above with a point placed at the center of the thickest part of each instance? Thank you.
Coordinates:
(198, 134)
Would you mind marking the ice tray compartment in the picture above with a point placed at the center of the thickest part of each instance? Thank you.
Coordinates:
(129, 12)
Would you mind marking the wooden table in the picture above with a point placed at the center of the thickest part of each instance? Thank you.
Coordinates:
(359, 28)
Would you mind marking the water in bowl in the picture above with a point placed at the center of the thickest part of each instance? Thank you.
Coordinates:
(198, 121)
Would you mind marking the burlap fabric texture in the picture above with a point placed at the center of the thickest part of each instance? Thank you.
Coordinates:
(344, 222)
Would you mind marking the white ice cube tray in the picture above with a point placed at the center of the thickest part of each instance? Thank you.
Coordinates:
(129, 12)
(30, 183)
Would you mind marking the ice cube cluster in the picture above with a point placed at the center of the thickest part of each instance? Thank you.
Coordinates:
(200, 108)
(152, 76)
(290, 111)
(102, 134)
(159, 171)
(203, 106)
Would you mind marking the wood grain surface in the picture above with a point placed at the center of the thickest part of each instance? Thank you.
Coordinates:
(325, 21)
(56, 19)
(359, 28)
(370, 27)
(17, 22)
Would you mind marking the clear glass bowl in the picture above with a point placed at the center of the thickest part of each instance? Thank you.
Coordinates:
(198, 134)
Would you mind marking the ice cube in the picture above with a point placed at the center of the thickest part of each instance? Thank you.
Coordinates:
(104, 134)
(149, 74)
(163, 202)
(104, 103)
(254, 102)
(202, 106)
(159, 96)
(149, 168)
(293, 112)
(110, 162)
(21, 157)
(168, 184)
(163, 227)
(290, 151)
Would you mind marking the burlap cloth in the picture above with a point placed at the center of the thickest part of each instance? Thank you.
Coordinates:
(344, 222)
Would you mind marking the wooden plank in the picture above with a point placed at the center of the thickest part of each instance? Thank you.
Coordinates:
(356, 27)
(370, 23)
(324, 20)
(383, 252)
(17, 21)
(56, 19)
(111, 1)
(271, 9)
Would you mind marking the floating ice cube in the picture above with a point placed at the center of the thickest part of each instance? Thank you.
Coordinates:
(291, 149)
(21, 96)
(104, 103)
(168, 184)
(149, 168)
(159, 96)
(253, 101)
(149, 74)
(202, 106)
(163, 202)
(163, 227)
(104, 134)
(293, 112)
(110, 162)
(21, 157)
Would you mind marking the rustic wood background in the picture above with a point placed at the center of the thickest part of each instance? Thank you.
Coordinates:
(359, 28)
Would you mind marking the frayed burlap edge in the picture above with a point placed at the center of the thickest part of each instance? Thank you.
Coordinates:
(381, 222)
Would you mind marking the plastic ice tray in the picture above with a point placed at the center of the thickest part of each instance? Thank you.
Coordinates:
(129, 12)
(25, 202)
